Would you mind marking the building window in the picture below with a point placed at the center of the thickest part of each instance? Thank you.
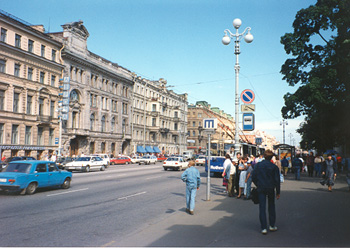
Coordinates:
(193, 133)
(3, 37)
(15, 102)
(14, 137)
(124, 126)
(18, 40)
(53, 55)
(53, 80)
(40, 136)
(30, 46)
(28, 136)
(176, 114)
(1, 133)
(154, 107)
(17, 70)
(112, 124)
(74, 119)
(30, 74)
(42, 77)
(74, 96)
(2, 65)
(103, 147)
(92, 148)
(2, 99)
(41, 106)
(51, 136)
(193, 124)
(29, 104)
(154, 122)
(42, 51)
(103, 124)
(52, 108)
(175, 126)
(92, 122)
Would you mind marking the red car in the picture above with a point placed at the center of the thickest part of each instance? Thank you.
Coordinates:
(161, 157)
(121, 160)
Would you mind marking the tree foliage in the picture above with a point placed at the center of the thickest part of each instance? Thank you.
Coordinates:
(320, 67)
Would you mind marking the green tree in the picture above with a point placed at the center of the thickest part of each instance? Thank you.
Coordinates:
(320, 67)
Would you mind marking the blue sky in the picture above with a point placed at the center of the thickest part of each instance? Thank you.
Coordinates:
(180, 41)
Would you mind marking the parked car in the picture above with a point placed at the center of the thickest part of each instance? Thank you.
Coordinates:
(121, 160)
(105, 157)
(62, 161)
(86, 164)
(161, 157)
(16, 158)
(200, 160)
(135, 159)
(27, 176)
(175, 163)
(148, 159)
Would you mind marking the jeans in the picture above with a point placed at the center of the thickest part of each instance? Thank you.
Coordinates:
(297, 172)
(318, 169)
(270, 194)
(249, 186)
(190, 197)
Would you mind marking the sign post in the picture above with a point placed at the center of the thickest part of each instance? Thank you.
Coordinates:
(209, 125)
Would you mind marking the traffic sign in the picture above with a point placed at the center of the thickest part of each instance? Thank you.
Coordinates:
(247, 96)
(248, 107)
(248, 122)
(210, 123)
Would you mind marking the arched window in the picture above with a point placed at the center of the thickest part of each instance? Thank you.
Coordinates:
(92, 122)
(74, 96)
(112, 124)
(103, 124)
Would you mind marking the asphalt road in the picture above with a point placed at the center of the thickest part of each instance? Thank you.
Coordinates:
(99, 209)
(132, 205)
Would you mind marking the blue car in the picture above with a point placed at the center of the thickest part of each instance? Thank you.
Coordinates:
(27, 176)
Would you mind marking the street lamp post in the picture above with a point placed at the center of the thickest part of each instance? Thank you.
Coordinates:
(226, 40)
(284, 123)
(290, 138)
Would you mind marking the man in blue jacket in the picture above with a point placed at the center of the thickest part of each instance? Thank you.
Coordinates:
(266, 177)
(192, 179)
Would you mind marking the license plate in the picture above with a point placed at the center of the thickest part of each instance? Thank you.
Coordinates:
(3, 180)
(71, 168)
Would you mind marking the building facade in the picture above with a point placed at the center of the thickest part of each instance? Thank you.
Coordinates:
(29, 86)
(159, 117)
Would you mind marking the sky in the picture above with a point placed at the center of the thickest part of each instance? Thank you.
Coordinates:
(180, 41)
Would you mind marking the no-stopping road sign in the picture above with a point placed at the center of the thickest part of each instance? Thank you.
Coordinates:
(247, 96)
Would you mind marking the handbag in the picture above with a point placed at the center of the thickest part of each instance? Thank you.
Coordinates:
(255, 196)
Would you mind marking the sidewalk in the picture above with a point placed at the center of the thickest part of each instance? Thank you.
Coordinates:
(307, 215)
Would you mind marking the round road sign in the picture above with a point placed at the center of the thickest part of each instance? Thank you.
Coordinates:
(247, 96)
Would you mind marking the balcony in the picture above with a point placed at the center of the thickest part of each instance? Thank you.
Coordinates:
(164, 130)
(176, 107)
(154, 113)
(176, 119)
(154, 99)
(44, 119)
(153, 129)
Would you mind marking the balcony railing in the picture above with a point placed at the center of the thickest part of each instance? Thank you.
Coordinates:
(164, 130)
(44, 119)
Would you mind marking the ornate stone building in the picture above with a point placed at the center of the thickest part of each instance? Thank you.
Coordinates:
(159, 117)
(99, 98)
(29, 79)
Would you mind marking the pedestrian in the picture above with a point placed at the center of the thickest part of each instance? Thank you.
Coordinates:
(277, 162)
(229, 173)
(310, 163)
(192, 179)
(226, 172)
(339, 163)
(267, 179)
(53, 157)
(329, 171)
(237, 158)
(242, 167)
(297, 164)
(249, 180)
(318, 165)
(285, 165)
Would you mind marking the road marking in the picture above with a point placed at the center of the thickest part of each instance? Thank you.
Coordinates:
(126, 197)
(152, 177)
(68, 192)
(108, 244)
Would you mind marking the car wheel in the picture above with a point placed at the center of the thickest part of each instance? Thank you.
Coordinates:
(87, 168)
(180, 168)
(66, 183)
(165, 168)
(112, 163)
(102, 168)
(31, 188)
(139, 163)
(126, 162)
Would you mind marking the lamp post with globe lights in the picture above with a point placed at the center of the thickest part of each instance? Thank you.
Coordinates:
(248, 37)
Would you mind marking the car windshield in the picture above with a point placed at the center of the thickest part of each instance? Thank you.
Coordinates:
(145, 157)
(173, 159)
(18, 167)
(83, 159)
(201, 157)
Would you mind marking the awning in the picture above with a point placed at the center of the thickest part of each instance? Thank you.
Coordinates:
(140, 149)
(156, 149)
(149, 149)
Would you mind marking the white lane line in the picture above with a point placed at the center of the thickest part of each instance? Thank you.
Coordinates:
(152, 177)
(120, 175)
(128, 196)
(68, 192)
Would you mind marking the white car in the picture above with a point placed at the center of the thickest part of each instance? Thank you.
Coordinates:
(87, 164)
(200, 160)
(175, 163)
(135, 159)
(148, 159)
(105, 157)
